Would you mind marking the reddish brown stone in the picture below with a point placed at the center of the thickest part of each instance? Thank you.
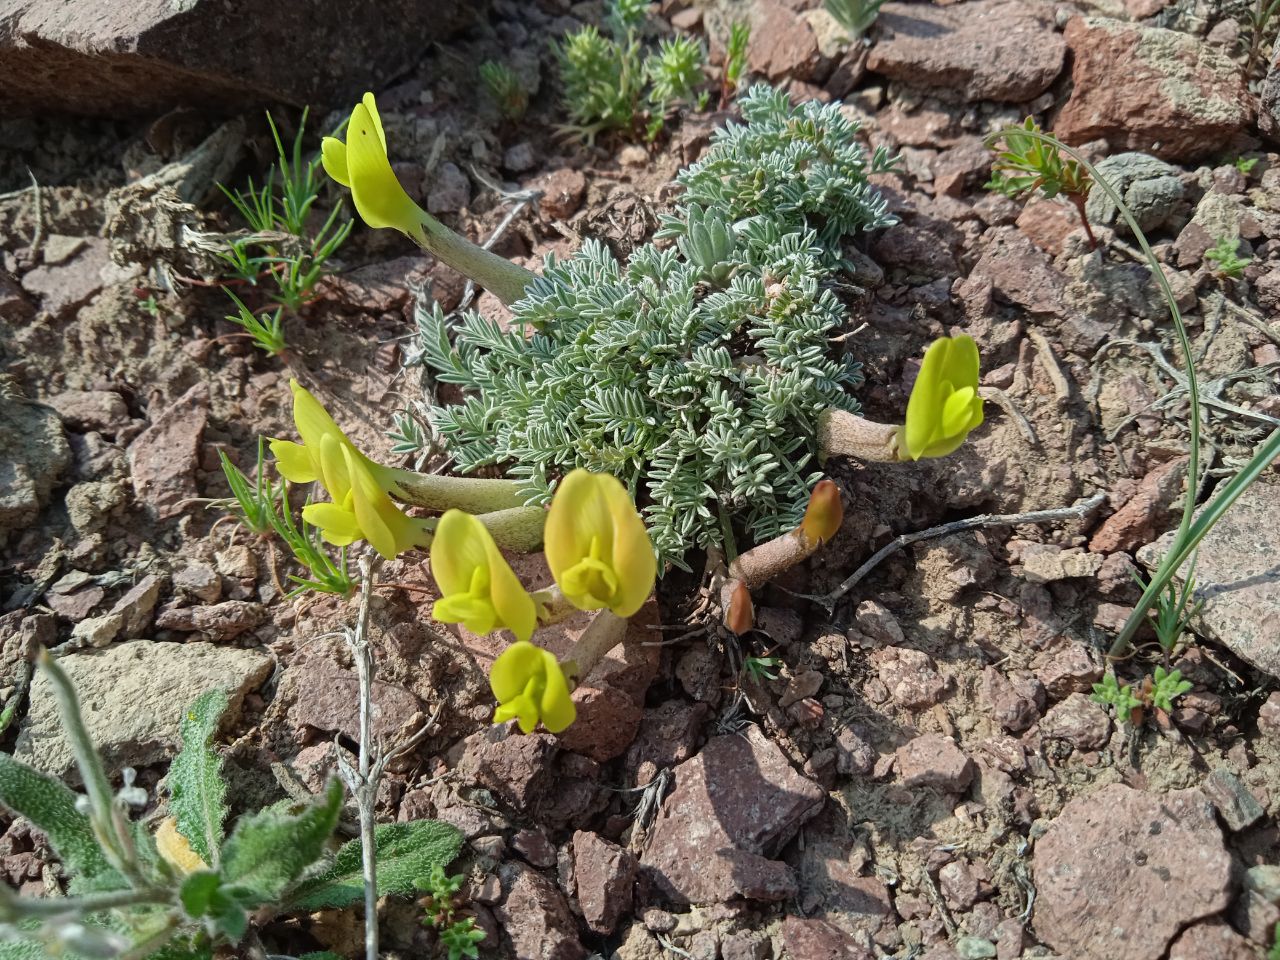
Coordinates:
(932, 760)
(163, 458)
(605, 874)
(536, 917)
(1136, 521)
(1156, 91)
(819, 940)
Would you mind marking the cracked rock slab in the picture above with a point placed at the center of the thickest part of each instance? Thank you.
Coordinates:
(1121, 871)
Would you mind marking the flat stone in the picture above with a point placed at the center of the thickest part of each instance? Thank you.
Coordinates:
(1140, 515)
(1121, 871)
(1212, 940)
(326, 697)
(1079, 721)
(1145, 88)
(1021, 273)
(1238, 578)
(981, 50)
(911, 676)
(163, 458)
(132, 696)
(221, 621)
(133, 57)
(1048, 563)
(63, 287)
(1152, 189)
(1070, 667)
(101, 410)
(605, 875)
(819, 940)
(785, 44)
(932, 760)
(733, 806)
(1236, 805)
(33, 454)
(137, 605)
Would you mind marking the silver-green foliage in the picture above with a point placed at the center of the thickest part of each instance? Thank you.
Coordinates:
(694, 373)
(126, 900)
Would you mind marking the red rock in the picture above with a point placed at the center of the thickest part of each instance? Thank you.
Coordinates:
(163, 458)
(911, 676)
(534, 846)
(563, 191)
(982, 50)
(1015, 705)
(964, 884)
(1152, 90)
(1078, 720)
(1048, 223)
(63, 287)
(819, 940)
(669, 734)
(101, 410)
(1068, 668)
(782, 44)
(1120, 872)
(1211, 939)
(1136, 521)
(733, 806)
(932, 760)
(326, 696)
(1020, 273)
(379, 287)
(536, 917)
(875, 620)
(854, 755)
(605, 876)
(221, 621)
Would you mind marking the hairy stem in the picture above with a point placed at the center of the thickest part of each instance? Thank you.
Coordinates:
(498, 275)
(845, 434)
(604, 633)
(472, 494)
(518, 528)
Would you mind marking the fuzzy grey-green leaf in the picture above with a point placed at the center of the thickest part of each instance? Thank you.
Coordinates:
(52, 808)
(197, 790)
(406, 852)
(271, 850)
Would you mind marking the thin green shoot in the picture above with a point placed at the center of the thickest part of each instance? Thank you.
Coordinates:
(256, 206)
(252, 503)
(504, 89)
(266, 331)
(299, 185)
(1223, 255)
(458, 932)
(854, 16)
(735, 60)
(1173, 612)
(328, 575)
(1258, 29)
(760, 669)
(245, 265)
(296, 277)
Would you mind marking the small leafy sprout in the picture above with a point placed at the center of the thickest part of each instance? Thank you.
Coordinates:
(855, 16)
(1028, 164)
(267, 331)
(505, 89)
(1258, 28)
(253, 501)
(243, 263)
(1172, 612)
(1167, 686)
(674, 70)
(735, 60)
(458, 932)
(149, 303)
(328, 575)
(760, 669)
(1223, 256)
(1246, 164)
(1120, 696)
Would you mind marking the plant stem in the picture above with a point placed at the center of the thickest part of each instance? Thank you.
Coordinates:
(1078, 201)
(498, 275)
(438, 492)
(15, 909)
(841, 433)
(604, 633)
(366, 793)
(519, 528)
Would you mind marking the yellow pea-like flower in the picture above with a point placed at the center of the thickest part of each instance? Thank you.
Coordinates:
(361, 164)
(362, 508)
(530, 686)
(478, 588)
(597, 546)
(175, 850)
(944, 405)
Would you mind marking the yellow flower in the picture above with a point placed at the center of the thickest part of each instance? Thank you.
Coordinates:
(478, 588)
(597, 546)
(361, 507)
(175, 850)
(944, 404)
(530, 686)
(361, 163)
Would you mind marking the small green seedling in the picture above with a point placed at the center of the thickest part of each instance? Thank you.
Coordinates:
(186, 888)
(760, 669)
(855, 16)
(252, 501)
(674, 71)
(1158, 690)
(1110, 692)
(505, 89)
(458, 932)
(266, 331)
(735, 60)
(328, 574)
(1246, 164)
(1173, 612)
(1028, 164)
(1223, 256)
(1167, 686)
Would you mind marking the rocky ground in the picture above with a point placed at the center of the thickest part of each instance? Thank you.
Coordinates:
(927, 777)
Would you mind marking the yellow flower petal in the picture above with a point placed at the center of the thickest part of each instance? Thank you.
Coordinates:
(457, 551)
(310, 416)
(461, 547)
(371, 105)
(556, 709)
(576, 515)
(336, 524)
(516, 607)
(333, 155)
(377, 194)
(944, 405)
(511, 670)
(529, 685)
(634, 561)
(294, 461)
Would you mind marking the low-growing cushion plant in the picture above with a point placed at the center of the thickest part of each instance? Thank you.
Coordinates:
(178, 890)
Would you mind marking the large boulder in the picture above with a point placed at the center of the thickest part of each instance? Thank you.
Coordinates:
(140, 56)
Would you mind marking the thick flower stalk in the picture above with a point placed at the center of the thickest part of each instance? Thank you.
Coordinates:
(478, 588)
(361, 507)
(530, 686)
(597, 546)
(944, 408)
(361, 164)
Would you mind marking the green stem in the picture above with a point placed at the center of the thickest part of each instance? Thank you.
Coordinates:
(517, 528)
(16, 909)
(498, 275)
(472, 494)
(1193, 385)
